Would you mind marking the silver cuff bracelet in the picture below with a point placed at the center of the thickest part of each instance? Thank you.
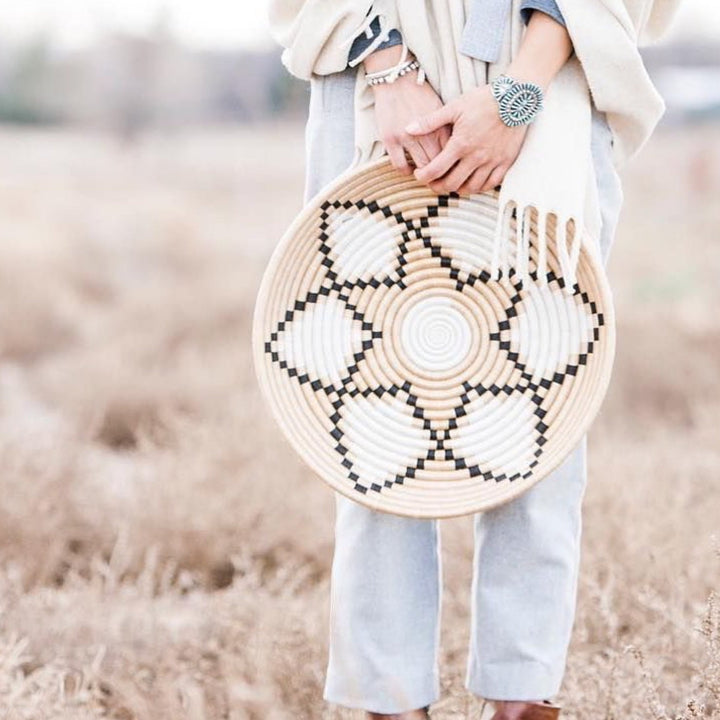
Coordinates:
(518, 102)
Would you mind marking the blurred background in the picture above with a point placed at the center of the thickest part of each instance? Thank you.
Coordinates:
(163, 554)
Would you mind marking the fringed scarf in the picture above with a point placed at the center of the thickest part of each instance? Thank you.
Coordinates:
(553, 177)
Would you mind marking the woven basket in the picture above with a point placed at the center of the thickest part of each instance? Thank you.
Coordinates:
(406, 376)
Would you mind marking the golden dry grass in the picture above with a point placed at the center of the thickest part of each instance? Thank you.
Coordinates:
(164, 555)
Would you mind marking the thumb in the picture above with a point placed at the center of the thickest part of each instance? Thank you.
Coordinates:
(429, 123)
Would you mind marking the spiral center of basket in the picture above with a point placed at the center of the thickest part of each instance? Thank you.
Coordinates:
(435, 334)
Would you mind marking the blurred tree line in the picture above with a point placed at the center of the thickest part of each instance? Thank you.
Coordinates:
(128, 83)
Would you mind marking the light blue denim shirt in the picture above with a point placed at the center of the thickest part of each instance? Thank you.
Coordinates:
(484, 29)
(483, 32)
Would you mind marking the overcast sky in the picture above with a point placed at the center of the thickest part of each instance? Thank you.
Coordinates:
(211, 23)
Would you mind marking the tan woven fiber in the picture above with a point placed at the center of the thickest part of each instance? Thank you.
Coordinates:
(401, 372)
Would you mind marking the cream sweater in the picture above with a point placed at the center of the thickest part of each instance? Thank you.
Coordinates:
(553, 173)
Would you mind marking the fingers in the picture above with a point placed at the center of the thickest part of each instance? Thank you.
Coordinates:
(455, 178)
(433, 143)
(440, 164)
(421, 151)
(434, 121)
(482, 180)
(444, 134)
(397, 157)
(430, 145)
(417, 150)
(495, 179)
(475, 182)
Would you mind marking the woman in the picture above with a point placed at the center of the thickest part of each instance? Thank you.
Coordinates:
(449, 132)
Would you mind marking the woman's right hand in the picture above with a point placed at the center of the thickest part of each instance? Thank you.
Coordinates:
(396, 106)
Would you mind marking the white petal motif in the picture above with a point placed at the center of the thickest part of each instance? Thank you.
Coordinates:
(321, 341)
(455, 229)
(498, 434)
(383, 437)
(363, 245)
(550, 328)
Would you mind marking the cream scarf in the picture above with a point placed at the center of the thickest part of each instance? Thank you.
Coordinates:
(553, 175)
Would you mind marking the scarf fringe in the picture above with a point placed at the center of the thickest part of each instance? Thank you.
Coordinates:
(520, 236)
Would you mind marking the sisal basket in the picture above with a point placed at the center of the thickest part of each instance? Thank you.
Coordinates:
(402, 372)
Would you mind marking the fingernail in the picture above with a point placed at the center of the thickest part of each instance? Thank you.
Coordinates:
(413, 127)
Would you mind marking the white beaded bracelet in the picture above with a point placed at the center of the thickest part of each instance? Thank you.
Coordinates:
(392, 74)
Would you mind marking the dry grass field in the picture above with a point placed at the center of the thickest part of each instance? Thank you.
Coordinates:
(164, 556)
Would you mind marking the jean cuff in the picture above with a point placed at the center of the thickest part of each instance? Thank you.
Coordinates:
(387, 695)
(530, 681)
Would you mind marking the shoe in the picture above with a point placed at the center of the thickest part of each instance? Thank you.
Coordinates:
(504, 710)
(426, 710)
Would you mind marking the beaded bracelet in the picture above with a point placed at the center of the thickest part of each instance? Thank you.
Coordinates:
(391, 74)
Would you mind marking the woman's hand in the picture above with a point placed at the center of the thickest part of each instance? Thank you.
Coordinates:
(480, 150)
(399, 103)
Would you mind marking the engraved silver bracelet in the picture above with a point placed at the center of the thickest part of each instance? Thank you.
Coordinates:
(518, 102)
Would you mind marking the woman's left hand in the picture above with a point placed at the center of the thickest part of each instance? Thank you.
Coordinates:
(481, 147)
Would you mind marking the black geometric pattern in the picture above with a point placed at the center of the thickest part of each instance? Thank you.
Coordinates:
(369, 337)
(439, 433)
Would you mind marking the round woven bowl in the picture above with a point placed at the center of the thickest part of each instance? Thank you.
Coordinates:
(402, 374)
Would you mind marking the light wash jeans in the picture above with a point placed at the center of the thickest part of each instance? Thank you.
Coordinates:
(386, 574)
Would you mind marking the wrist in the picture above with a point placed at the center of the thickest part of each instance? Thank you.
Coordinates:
(545, 48)
(384, 59)
(405, 66)
(408, 78)
(542, 77)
